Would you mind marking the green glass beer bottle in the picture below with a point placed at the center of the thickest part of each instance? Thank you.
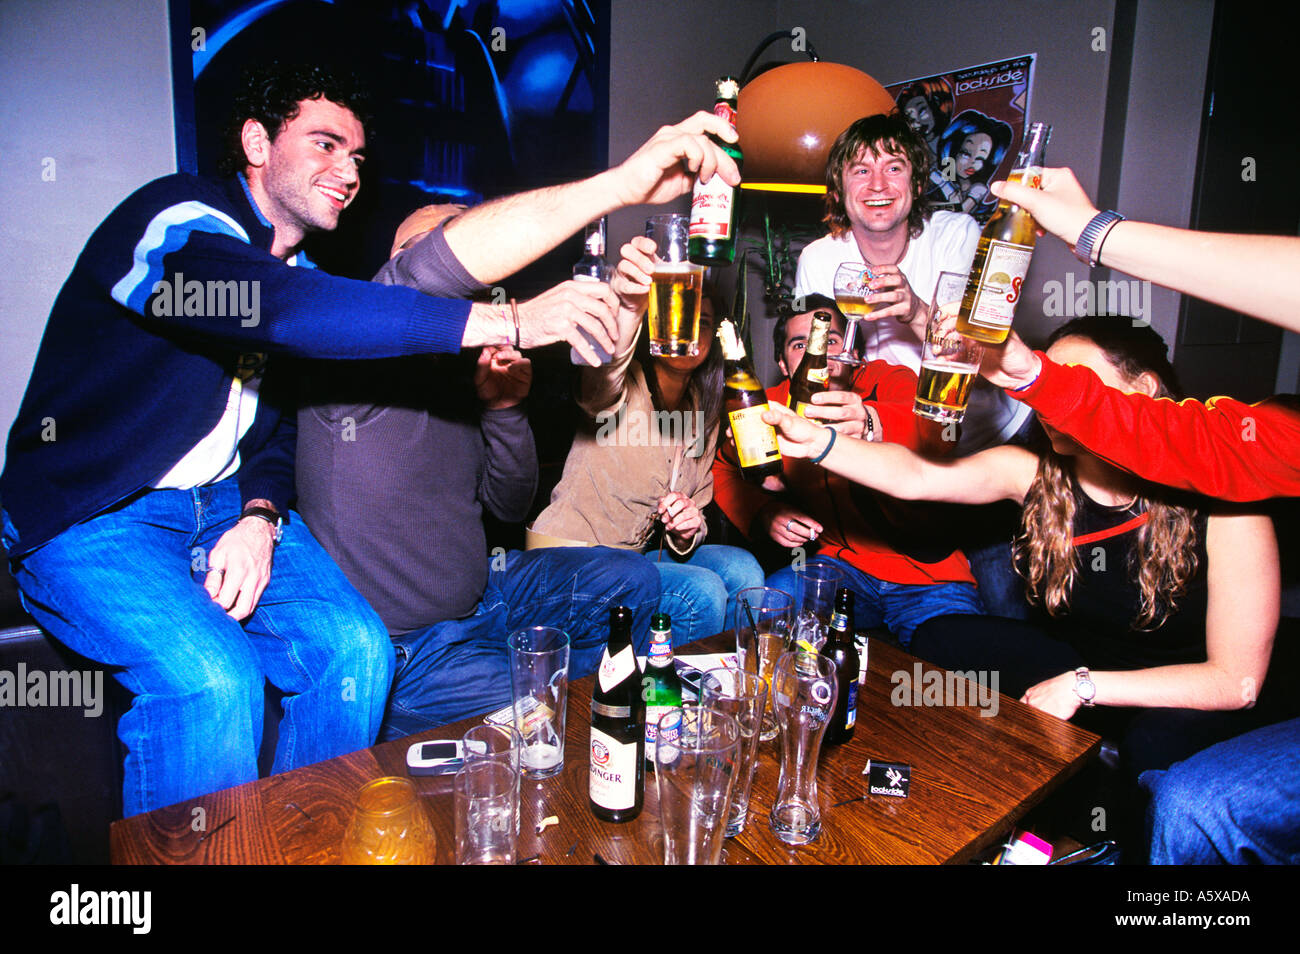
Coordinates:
(715, 204)
(661, 687)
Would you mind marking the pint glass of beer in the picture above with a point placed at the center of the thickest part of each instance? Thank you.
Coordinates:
(678, 284)
(949, 362)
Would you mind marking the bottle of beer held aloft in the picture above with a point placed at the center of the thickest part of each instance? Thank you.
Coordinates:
(1002, 259)
(744, 401)
(617, 784)
(592, 267)
(661, 685)
(812, 375)
(840, 649)
(715, 204)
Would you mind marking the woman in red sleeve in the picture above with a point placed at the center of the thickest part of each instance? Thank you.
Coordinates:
(1161, 614)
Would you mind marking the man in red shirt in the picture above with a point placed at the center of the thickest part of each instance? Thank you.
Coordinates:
(901, 574)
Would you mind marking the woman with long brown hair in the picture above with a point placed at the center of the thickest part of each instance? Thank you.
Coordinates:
(1160, 612)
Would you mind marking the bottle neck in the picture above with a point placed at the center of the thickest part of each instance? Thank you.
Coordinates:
(593, 241)
(817, 338)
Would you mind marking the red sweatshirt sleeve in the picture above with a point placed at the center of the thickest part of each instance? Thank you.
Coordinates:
(1223, 448)
(891, 390)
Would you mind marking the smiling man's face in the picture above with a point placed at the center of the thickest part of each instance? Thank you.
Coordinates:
(878, 191)
(309, 173)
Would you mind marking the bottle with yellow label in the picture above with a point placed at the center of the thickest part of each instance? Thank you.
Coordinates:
(813, 375)
(1002, 259)
(743, 403)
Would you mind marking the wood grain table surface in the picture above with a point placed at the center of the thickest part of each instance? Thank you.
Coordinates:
(973, 777)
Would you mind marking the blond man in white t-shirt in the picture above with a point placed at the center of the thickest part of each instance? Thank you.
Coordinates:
(875, 177)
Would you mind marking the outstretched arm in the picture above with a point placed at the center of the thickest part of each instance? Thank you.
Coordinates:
(1222, 448)
(1001, 473)
(1253, 274)
(498, 238)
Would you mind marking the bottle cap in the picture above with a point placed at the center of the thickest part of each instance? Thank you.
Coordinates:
(661, 621)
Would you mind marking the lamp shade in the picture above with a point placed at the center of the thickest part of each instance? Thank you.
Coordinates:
(790, 116)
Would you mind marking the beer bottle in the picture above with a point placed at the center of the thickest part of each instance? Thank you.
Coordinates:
(840, 649)
(617, 782)
(1002, 259)
(592, 267)
(744, 401)
(812, 374)
(661, 686)
(715, 204)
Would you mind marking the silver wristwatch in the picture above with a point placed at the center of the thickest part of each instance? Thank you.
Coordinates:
(1088, 246)
(1084, 687)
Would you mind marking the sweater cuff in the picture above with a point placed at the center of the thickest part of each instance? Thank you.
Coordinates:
(1054, 391)
(436, 326)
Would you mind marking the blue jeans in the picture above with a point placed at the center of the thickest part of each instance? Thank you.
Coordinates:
(125, 588)
(899, 607)
(700, 592)
(1237, 802)
(461, 667)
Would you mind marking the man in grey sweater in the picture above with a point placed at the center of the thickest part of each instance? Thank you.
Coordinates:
(398, 459)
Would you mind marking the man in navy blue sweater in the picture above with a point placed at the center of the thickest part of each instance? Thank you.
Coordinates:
(150, 467)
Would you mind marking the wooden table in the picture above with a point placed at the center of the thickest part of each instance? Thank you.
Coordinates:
(973, 777)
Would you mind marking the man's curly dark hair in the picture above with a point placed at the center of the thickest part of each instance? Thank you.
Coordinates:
(270, 93)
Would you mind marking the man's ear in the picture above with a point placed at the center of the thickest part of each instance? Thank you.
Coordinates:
(1148, 383)
(780, 363)
(256, 142)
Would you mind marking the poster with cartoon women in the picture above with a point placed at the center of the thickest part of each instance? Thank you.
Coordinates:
(973, 121)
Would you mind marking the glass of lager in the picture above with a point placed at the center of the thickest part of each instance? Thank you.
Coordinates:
(678, 284)
(950, 363)
(853, 297)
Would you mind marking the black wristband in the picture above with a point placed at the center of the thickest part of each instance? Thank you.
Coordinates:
(270, 516)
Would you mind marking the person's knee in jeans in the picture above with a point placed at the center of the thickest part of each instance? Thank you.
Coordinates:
(696, 601)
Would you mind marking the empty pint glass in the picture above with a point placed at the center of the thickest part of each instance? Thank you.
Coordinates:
(697, 755)
(743, 696)
(539, 683)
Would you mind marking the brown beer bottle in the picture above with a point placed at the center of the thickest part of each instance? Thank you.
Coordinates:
(840, 649)
(743, 402)
(812, 375)
(1002, 259)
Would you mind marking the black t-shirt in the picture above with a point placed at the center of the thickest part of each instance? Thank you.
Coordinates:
(1105, 599)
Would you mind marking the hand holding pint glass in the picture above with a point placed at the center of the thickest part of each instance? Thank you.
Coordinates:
(949, 362)
(678, 285)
